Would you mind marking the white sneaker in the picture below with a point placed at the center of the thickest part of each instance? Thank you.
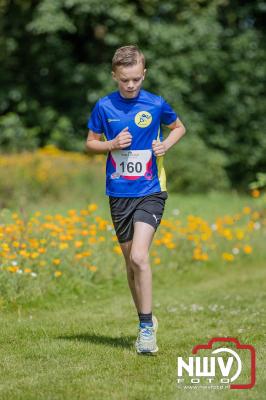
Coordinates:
(146, 340)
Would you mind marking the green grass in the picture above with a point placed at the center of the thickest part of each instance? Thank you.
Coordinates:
(80, 345)
(83, 348)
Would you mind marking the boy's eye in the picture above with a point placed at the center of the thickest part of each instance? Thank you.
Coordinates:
(126, 80)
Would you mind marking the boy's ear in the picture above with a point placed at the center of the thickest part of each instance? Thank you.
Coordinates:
(113, 76)
(144, 72)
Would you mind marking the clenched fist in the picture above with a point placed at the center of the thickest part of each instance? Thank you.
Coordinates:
(122, 140)
(158, 148)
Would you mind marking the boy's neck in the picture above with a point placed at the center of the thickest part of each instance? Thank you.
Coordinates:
(129, 98)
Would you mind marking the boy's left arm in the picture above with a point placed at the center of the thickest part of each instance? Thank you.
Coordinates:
(177, 131)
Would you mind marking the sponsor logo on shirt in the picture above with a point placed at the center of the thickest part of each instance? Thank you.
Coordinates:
(143, 119)
(113, 119)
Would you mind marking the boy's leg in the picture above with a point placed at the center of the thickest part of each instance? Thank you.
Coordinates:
(138, 272)
(139, 257)
(126, 249)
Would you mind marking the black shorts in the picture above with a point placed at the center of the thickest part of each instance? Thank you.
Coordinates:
(125, 211)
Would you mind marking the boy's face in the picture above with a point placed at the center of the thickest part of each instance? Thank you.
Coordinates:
(129, 79)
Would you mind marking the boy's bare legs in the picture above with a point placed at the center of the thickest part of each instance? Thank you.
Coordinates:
(126, 249)
(139, 255)
(136, 253)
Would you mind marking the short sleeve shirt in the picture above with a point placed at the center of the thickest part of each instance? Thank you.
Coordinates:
(133, 171)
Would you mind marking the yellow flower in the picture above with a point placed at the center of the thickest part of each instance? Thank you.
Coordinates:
(5, 247)
(228, 220)
(27, 270)
(170, 245)
(239, 234)
(72, 212)
(24, 253)
(13, 269)
(92, 240)
(228, 256)
(78, 243)
(247, 249)
(157, 260)
(92, 207)
(92, 268)
(246, 210)
(102, 225)
(228, 234)
(250, 226)
(79, 256)
(117, 250)
(84, 212)
(86, 253)
(57, 274)
(56, 261)
(34, 255)
(204, 236)
(63, 246)
(255, 193)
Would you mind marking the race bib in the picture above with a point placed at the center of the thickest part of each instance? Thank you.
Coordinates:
(131, 162)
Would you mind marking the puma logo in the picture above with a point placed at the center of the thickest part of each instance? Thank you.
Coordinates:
(156, 219)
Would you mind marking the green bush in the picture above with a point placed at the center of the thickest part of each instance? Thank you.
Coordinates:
(14, 137)
(192, 167)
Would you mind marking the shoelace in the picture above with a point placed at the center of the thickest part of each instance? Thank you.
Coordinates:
(145, 332)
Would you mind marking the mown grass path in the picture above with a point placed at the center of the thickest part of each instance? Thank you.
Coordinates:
(81, 347)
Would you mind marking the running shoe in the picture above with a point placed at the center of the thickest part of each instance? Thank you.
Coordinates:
(146, 340)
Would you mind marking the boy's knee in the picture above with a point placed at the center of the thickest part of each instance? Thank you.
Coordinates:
(139, 260)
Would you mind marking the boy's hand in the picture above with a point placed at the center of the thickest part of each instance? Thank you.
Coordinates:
(158, 148)
(122, 140)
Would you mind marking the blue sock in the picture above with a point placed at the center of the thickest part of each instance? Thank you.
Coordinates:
(145, 320)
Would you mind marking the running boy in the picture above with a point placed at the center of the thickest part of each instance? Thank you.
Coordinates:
(130, 120)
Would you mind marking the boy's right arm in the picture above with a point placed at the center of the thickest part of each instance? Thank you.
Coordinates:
(95, 145)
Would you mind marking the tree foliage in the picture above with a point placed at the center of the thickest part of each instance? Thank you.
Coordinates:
(205, 57)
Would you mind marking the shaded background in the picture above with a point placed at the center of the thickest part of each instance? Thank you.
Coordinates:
(205, 57)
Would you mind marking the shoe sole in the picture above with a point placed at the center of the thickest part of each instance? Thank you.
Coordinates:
(148, 353)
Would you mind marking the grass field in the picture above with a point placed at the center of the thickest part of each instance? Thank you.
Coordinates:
(70, 344)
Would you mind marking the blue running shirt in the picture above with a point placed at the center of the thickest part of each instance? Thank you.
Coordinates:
(134, 171)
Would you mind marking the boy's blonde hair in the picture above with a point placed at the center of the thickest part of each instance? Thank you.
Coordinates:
(127, 56)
